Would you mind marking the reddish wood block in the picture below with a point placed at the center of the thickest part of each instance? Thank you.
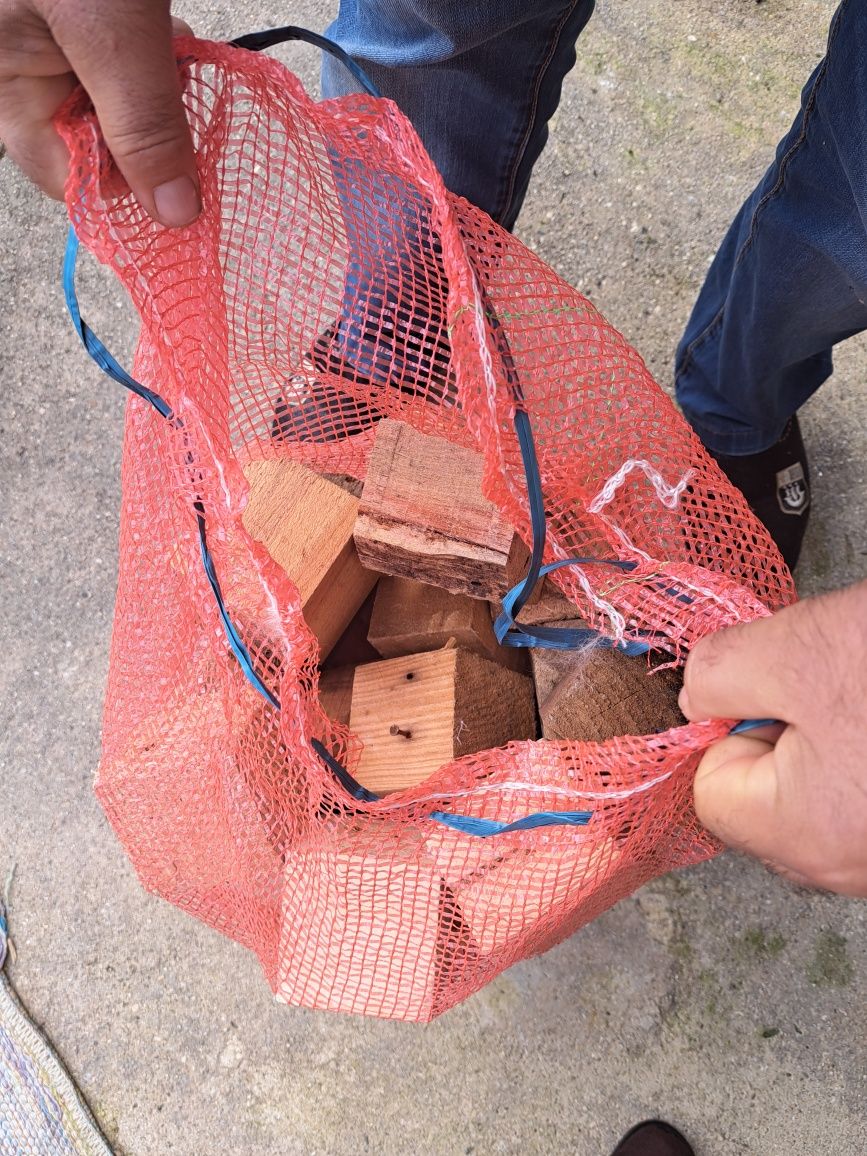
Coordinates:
(413, 617)
(306, 523)
(423, 516)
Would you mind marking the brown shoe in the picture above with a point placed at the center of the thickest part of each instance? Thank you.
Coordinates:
(653, 1138)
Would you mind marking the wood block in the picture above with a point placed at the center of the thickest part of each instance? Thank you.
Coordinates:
(547, 606)
(413, 617)
(335, 693)
(550, 666)
(423, 516)
(220, 763)
(593, 695)
(359, 931)
(526, 888)
(415, 714)
(305, 522)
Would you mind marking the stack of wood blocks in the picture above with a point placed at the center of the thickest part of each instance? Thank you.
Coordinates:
(395, 584)
(399, 582)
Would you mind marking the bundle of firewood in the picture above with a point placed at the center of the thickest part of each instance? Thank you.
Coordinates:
(399, 581)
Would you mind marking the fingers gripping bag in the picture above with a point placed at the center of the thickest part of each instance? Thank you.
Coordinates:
(332, 281)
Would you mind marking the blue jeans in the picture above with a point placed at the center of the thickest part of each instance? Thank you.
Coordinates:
(790, 278)
(480, 80)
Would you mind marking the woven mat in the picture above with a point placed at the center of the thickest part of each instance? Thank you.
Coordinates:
(41, 1111)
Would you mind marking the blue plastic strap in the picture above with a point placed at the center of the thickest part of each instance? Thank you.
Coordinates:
(511, 633)
(537, 507)
(236, 644)
(343, 776)
(752, 724)
(91, 342)
(506, 629)
(484, 828)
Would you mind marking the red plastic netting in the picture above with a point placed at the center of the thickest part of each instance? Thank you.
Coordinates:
(331, 279)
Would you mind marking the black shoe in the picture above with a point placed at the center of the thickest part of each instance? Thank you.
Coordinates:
(776, 485)
(653, 1138)
(417, 365)
(418, 362)
(326, 414)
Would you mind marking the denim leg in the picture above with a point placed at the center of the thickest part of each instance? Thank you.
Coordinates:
(790, 278)
(389, 282)
(478, 80)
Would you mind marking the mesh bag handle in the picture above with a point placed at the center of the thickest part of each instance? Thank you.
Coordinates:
(270, 37)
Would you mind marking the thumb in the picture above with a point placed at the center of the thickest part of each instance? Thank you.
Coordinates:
(127, 65)
(738, 797)
(735, 791)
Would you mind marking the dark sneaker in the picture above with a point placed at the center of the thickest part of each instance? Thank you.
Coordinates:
(776, 485)
(325, 414)
(653, 1138)
(416, 365)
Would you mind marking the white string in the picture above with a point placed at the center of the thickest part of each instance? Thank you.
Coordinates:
(668, 495)
(576, 795)
(618, 622)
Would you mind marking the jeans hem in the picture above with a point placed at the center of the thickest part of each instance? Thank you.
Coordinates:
(738, 443)
(524, 137)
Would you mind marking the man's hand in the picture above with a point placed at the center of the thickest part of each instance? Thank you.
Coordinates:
(121, 51)
(796, 798)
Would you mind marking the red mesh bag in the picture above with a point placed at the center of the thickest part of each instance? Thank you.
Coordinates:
(331, 279)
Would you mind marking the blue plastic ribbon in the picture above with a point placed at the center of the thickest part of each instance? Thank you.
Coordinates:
(511, 633)
(753, 724)
(106, 362)
(257, 41)
(484, 828)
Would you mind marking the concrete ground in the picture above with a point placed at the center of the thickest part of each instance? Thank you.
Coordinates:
(720, 997)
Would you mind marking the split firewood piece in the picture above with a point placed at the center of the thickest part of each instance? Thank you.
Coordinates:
(413, 617)
(306, 522)
(237, 751)
(360, 928)
(599, 694)
(423, 516)
(416, 713)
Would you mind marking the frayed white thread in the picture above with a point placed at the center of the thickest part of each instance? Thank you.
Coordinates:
(668, 495)
(624, 540)
(576, 796)
(618, 622)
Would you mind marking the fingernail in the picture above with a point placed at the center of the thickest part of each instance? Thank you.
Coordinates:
(177, 202)
(683, 702)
